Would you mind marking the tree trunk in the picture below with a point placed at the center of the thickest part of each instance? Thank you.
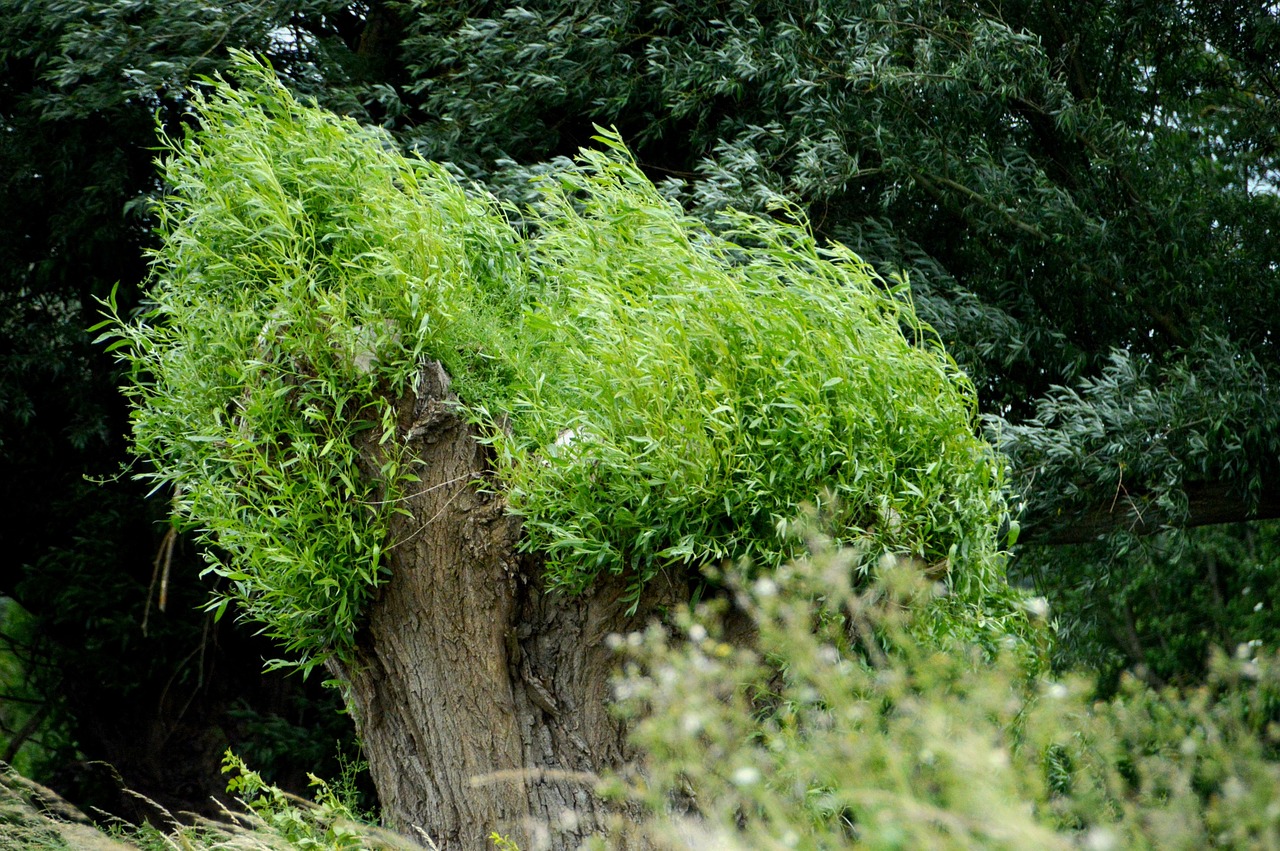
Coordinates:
(482, 700)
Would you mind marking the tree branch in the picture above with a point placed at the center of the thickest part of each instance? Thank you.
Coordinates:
(1208, 505)
(928, 181)
(27, 731)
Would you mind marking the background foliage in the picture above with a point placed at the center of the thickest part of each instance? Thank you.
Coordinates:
(1079, 193)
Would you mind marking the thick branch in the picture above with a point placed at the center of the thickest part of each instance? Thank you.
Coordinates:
(1208, 505)
(927, 182)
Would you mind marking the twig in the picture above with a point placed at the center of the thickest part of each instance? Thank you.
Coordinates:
(979, 198)
(508, 775)
(164, 559)
(169, 539)
(433, 519)
(469, 475)
(1119, 487)
(430, 842)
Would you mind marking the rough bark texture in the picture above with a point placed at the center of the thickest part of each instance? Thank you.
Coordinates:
(481, 700)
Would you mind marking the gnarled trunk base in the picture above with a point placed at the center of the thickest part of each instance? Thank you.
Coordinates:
(482, 700)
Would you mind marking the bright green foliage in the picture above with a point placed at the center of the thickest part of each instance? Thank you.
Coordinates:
(696, 390)
(304, 274)
(328, 824)
(840, 730)
(675, 396)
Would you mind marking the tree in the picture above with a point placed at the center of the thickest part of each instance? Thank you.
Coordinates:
(446, 457)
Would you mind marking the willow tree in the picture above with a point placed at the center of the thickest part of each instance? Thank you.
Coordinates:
(445, 456)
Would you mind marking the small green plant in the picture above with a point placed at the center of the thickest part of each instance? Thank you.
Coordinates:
(328, 823)
(33, 818)
(346, 787)
(22, 713)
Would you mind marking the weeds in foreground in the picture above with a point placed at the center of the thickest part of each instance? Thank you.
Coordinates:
(841, 729)
(838, 727)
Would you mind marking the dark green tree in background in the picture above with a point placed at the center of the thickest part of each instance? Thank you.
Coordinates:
(81, 89)
(1081, 195)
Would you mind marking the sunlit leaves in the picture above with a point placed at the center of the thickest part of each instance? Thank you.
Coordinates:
(660, 396)
(715, 385)
(306, 272)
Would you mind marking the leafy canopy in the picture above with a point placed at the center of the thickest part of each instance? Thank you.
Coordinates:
(669, 393)
(1083, 194)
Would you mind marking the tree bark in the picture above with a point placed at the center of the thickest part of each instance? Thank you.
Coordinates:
(481, 699)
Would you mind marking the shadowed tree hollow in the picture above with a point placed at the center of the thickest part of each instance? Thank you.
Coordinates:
(445, 447)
